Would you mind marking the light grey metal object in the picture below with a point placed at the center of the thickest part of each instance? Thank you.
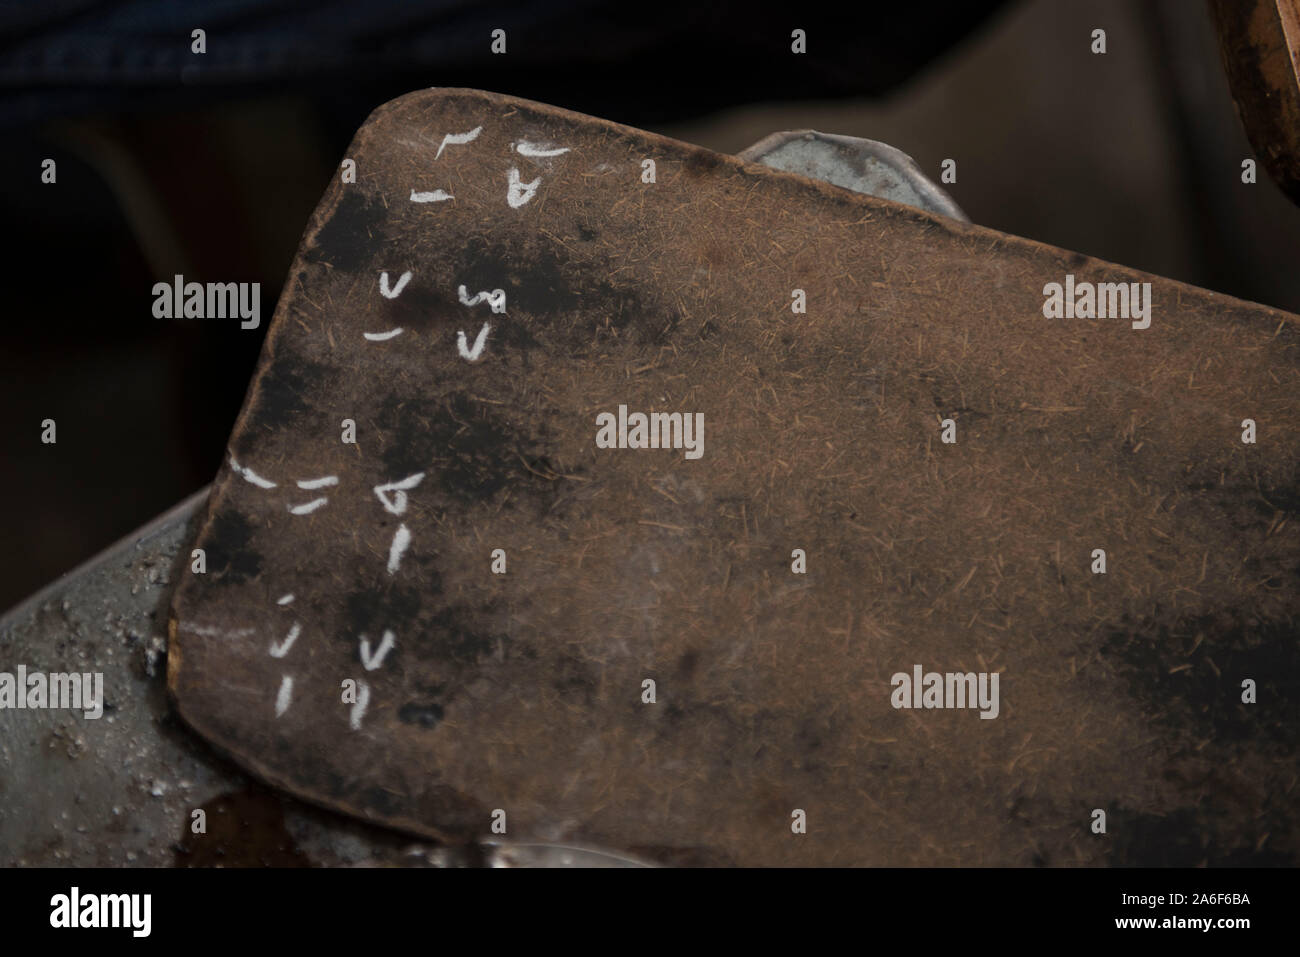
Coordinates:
(864, 166)
(68, 782)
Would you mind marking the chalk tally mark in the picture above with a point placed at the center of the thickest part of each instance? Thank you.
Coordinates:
(383, 336)
(525, 148)
(323, 482)
(285, 599)
(458, 139)
(359, 706)
(401, 541)
(213, 631)
(250, 475)
(279, 649)
(520, 192)
(395, 291)
(496, 299)
(308, 507)
(437, 196)
(397, 504)
(284, 696)
(372, 661)
(463, 347)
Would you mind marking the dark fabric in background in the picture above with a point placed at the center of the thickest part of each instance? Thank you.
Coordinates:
(634, 62)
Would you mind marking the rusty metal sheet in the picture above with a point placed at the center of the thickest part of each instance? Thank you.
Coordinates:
(523, 692)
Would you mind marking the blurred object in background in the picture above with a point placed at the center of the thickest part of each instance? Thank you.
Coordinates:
(1260, 42)
(634, 63)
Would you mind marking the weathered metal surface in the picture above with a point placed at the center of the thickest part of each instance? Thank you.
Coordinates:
(115, 790)
(864, 166)
(523, 692)
(119, 791)
(1260, 44)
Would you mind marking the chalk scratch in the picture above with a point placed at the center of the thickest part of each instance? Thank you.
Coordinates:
(372, 661)
(359, 706)
(525, 148)
(397, 505)
(308, 507)
(401, 540)
(496, 299)
(212, 631)
(458, 139)
(250, 475)
(395, 291)
(280, 649)
(462, 344)
(284, 695)
(520, 192)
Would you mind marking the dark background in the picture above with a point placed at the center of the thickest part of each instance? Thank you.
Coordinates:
(209, 166)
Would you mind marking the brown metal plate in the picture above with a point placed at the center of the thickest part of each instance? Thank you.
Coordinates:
(523, 692)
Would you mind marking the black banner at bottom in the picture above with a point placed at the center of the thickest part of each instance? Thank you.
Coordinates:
(339, 907)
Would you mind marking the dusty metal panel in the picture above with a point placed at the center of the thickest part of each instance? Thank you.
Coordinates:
(113, 790)
(522, 692)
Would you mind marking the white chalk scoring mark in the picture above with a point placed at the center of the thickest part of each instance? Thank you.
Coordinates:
(323, 482)
(395, 291)
(308, 507)
(281, 648)
(359, 706)
(250, 475)
(458, 139)
(525, 148)
(212, 631)
(496, 299)
(284, 695)
(371, 662)
(519, 192)
(285, 599)
(437, 196)
(401, 540)
(383, 336)
(397, 505)
(462, 344)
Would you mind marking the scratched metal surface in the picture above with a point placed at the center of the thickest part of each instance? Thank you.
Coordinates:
(522, 692)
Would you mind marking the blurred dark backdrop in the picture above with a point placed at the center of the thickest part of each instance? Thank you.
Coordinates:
(171, 162)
